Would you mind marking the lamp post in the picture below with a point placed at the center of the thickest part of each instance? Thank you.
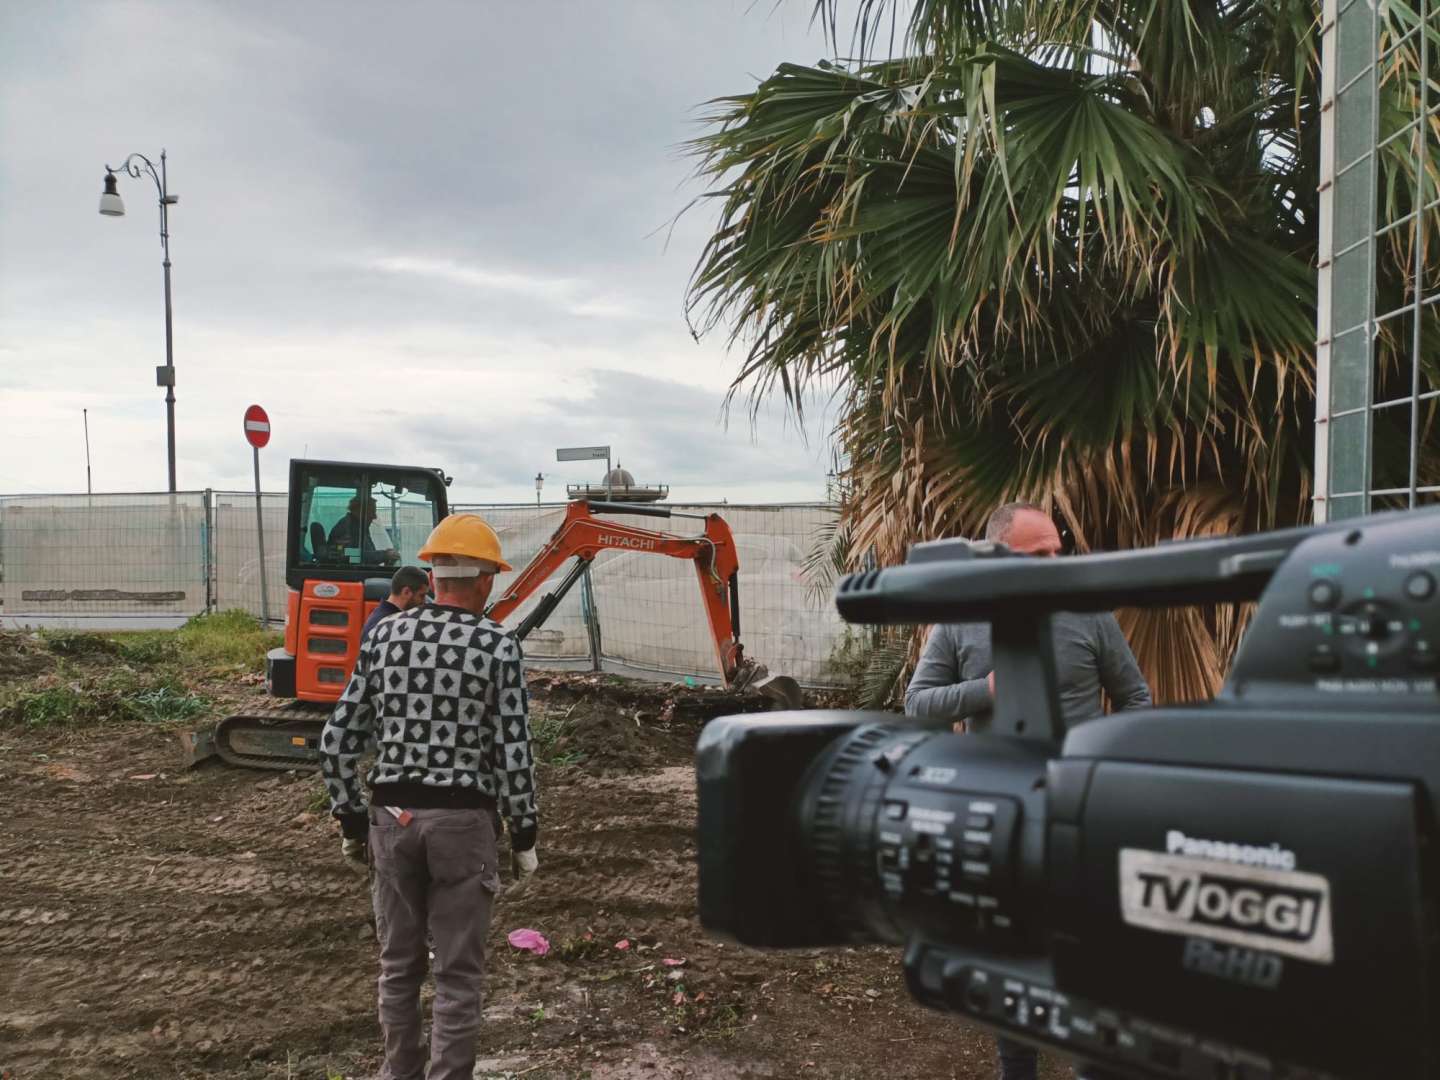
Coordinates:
(112, 206)
(539, 482)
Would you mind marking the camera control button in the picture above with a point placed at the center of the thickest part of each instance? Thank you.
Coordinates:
(1324, 594)
(976, 851)
(1324, 660)
(1420, 586)
(1423, 657)
(982, 822)
(895, 810)
(974, 869)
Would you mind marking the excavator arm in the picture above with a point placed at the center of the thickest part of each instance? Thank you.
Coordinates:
(583, 535)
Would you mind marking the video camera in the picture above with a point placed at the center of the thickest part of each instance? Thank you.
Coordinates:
(1241, 888)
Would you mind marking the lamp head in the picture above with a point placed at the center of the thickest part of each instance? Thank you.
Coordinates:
(111, 204)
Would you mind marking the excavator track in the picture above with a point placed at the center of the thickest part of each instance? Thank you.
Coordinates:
(282, 736)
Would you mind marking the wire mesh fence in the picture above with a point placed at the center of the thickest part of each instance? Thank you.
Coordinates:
(235, 552)
(79, 556)
(1378, 352)
(90, 558)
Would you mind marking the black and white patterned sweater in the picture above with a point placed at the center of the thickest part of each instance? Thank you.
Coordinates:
(439, 693)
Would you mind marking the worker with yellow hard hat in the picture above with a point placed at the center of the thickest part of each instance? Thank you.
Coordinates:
(439, 691)
(466, 536)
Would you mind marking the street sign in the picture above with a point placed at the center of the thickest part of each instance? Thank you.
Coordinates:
(257, 434)
(583, 453)
(257, 426)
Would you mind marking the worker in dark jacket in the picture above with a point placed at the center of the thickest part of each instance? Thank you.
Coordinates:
(438, 692)
(407, 588)
(954, 682)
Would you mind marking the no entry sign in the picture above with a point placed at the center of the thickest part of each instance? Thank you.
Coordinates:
(257, 426)
(257, 434)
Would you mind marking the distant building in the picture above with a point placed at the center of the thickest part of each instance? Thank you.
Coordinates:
(618, 485)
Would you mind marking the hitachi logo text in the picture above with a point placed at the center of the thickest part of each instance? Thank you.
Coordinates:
(614, 540)
(1281, 911)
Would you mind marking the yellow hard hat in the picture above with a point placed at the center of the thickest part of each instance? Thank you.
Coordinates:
(464, 534)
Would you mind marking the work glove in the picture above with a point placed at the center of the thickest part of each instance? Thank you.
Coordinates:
(355, 846)
(523, 864)
(356, 852)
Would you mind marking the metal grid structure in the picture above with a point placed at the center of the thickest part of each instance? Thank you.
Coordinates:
(86, 556)
(647, 612)
(235, 555)
(94, 560)
(1378, 343)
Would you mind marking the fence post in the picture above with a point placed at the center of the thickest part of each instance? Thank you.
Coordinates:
(592, 617)
(208, 532)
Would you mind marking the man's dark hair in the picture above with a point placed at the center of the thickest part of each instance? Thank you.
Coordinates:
(409, 577)
(1002, 518)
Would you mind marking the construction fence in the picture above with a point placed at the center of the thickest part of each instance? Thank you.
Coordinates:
(116, 560)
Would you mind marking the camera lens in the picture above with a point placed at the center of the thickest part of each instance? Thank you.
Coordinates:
(910, 831)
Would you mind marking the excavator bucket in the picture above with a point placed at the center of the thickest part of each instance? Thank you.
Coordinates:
(753, 678)
(781, 689)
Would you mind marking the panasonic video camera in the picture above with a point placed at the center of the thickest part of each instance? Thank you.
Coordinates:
(1241, 888)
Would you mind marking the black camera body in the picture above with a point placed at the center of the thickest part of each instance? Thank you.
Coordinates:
(1241, 888)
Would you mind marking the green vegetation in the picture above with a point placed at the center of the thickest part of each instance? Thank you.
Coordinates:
(143, 677)
(1058, 251)
(550, 737)
(230, 640)
(119, 696)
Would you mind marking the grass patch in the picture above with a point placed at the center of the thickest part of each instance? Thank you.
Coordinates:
(578, 950)
(551, 737)
(77, 644)
(123, 696)
(319, 801)
(224, 641)
(227, 639)
(148, 648)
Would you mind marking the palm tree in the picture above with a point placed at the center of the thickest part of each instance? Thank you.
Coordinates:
(1062, 250)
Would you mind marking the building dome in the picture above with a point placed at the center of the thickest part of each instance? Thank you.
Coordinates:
(618, 477)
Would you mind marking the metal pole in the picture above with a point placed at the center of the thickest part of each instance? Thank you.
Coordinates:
(169, 335)
(209, 533)
(592, 617)
(260, 535)
(85, 414)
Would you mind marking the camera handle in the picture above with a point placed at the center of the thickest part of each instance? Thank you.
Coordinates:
(1027, 695)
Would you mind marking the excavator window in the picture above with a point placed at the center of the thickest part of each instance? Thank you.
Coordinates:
(361, 519)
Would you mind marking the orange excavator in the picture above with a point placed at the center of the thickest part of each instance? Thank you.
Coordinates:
(349, 525)
(583, 535)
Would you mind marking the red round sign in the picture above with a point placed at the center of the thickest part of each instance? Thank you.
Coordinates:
(257, 426)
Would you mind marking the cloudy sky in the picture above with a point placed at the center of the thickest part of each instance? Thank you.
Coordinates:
(429, 233)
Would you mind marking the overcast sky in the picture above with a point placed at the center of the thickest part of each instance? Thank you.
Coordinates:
(428, 233)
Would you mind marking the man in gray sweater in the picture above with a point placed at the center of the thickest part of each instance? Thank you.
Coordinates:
(954, 683)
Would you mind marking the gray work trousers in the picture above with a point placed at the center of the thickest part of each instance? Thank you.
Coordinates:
(436, 874)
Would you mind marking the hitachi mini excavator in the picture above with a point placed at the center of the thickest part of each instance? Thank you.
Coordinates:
(350, 525)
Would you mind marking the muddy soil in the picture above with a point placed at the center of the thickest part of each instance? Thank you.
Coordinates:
(159, 921)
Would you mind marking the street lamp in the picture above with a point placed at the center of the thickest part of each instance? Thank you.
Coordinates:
(539, 482)
(111, 205)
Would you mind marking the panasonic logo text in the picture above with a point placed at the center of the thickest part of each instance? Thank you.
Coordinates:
(1280, 911)
(1273, 856)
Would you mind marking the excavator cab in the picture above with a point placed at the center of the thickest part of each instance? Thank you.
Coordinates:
(350, 527)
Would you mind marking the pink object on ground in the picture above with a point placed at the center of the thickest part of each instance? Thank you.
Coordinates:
(530, 940)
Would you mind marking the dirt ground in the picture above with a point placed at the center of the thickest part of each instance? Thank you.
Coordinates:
(159, 921)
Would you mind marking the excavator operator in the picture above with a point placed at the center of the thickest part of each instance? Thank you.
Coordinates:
(354, 530)
(438, 691)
